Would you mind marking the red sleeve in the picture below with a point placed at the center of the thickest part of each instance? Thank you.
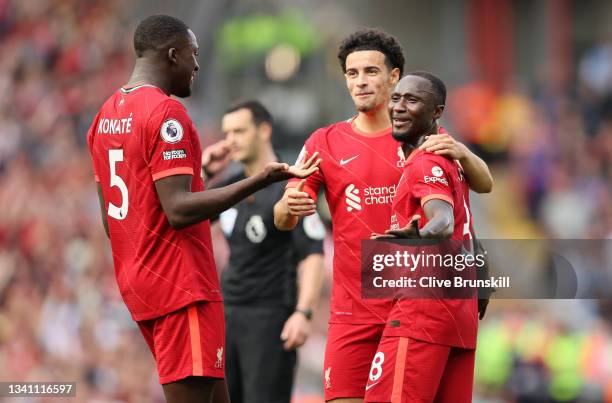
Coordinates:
(430, 179)
(170, 136)
(314, 181)
(90, 142)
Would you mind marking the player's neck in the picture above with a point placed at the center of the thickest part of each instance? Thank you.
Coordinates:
(373, 121)
(412, 144)
(146, 73)
(265, 156)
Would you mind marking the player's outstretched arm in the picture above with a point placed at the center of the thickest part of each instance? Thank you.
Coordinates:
(440, 224)
(184, 207)
(476, 170)
(441, 221)
(294, 204)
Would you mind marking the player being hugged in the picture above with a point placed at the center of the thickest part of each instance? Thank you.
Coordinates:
(360, 169)
(428, 347)
(146, 158)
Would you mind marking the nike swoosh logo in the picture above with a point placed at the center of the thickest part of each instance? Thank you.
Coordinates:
(344, 162)
(369, 386)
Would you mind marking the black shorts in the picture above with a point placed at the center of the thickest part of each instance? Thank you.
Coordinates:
(258, 369)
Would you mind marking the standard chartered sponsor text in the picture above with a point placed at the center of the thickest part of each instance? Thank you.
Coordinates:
(379, 195)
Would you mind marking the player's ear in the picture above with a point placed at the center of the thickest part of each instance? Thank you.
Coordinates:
(395, 76)
(438, 111)
(172, 55)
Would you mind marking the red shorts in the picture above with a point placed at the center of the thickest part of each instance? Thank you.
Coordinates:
(348, 356)
(188, 342)
(406, 370)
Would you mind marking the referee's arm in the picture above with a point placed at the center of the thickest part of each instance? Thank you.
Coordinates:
(297, 327)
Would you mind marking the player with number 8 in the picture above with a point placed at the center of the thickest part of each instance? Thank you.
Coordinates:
(429, 344)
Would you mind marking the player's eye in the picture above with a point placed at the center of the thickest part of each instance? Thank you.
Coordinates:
(372, 72)
(395, 98)
(351, 74)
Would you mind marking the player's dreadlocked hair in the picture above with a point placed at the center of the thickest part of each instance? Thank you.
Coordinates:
(436, 82)
(158, 31)
(373, 39)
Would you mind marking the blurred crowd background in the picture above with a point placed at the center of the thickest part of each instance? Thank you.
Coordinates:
(530, 89)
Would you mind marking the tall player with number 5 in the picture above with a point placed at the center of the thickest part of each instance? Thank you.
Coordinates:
(146, 157)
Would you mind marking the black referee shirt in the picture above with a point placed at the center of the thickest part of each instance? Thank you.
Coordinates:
(263, 260)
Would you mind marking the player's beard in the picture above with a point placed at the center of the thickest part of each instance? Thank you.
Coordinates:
(366, 106)
(184, 82)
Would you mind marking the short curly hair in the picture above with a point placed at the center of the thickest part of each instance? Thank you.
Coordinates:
(157, 32)
(373, 39)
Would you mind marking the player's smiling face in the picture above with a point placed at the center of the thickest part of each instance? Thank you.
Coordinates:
(369, 79)
(187, 65)
(413, 108)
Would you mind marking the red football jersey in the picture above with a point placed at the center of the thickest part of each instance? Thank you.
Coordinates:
(141, 135)
(452, 322)
(359, 174)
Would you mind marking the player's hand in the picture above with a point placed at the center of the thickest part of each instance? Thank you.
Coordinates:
(306, 166)
(276, 171)
(445, 144)
(299, 203)
(410, 231)
(296, 331)
(216, 158)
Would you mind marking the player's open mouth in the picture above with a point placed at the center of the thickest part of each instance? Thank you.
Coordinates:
(400, 121)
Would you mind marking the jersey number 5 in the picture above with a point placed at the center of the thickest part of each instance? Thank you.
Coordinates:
(118, 213)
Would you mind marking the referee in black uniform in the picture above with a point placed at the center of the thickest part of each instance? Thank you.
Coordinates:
(267, 310)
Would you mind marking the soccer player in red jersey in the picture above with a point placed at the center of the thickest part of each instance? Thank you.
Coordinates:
(427, 350)
(146, 158)
(361, 166)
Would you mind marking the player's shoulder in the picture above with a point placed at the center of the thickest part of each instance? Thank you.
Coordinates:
(169, 111)
(109, 103)
(152, 99)
(422, 156)
(334, 129)
(429, 159)
(165, 104)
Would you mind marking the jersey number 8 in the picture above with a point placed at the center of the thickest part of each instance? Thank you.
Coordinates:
(376, 369)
